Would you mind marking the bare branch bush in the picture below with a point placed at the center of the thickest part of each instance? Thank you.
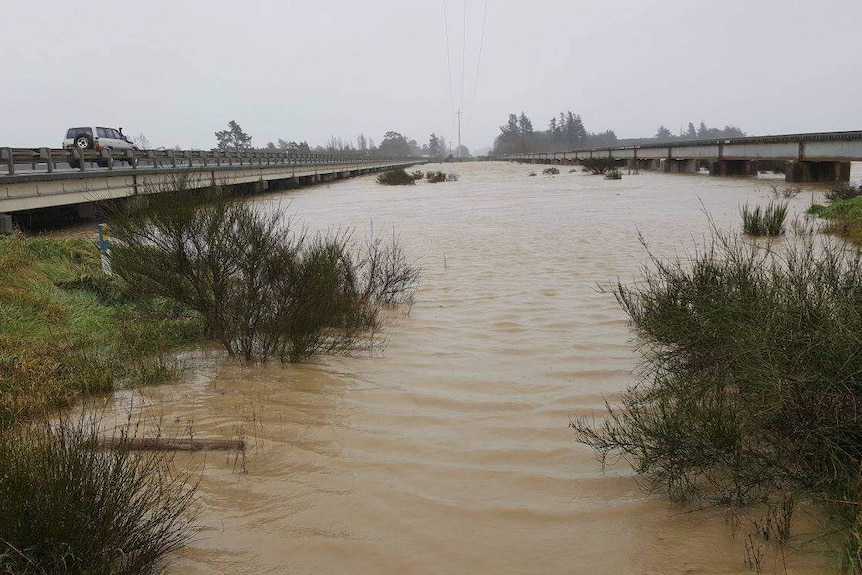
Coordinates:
(264, 286)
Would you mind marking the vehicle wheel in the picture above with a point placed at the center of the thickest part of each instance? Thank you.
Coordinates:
(83, 141)
(74, 164)
(132, 163)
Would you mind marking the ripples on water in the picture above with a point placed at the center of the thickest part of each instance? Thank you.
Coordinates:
(449, 451)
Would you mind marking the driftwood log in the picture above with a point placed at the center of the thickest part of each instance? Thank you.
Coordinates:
(168, 444)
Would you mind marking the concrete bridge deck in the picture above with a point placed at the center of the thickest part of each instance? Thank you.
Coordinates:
(821, 156)
(42, 178)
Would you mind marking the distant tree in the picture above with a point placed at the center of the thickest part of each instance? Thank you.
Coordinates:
(691, 132)
(361, 142)
(270, 147)
(462, 152)
(434, 149)
(553, 128)
(233, 139)
(575, 132)
(394, 144)
(663, 133)
(702, 130)
(732, 132)
(525, 126)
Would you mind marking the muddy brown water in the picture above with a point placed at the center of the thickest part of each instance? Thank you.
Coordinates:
(448, 452)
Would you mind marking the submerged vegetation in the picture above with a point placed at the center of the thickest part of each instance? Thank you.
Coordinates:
(750, 380)
(261, 284)
(552, 171)
(613, 174)
(599, 166)
(71, 508)
(768, 221)
(436, 177)
(396, 178)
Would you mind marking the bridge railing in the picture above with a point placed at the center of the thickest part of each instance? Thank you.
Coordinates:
(47, 159)
(845, 136)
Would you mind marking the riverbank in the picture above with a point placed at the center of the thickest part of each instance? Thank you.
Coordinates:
(67, 330)
(844, 218)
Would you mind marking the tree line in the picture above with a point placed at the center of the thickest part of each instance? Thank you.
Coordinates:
(702, 132)
(567, 132)
(235, 139)
(564, 132)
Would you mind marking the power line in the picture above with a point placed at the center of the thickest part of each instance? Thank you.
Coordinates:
(463, 56)
(478, 62)
(448, 60)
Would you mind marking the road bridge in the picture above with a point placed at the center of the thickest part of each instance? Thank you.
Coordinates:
(815, 157)
(35, 178)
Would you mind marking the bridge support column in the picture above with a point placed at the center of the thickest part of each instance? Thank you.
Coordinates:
(640, 164)
(87, 211)
(680, 166)
(817, 172)
(732, 168)
(5, 224)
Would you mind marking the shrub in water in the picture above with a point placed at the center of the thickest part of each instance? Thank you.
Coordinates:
(551, 171)
(395, 178)
(451, 177)
(750, 378)
(598, 166)
(262, 288)
(69, 508)
(531, 174)
(435, 177)
(758, 221)
(418, 175)
(613, 174)
(843, 191)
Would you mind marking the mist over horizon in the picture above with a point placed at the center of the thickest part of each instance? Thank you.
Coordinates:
(335, 70)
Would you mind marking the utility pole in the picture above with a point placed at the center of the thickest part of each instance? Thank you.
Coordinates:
(458, 113)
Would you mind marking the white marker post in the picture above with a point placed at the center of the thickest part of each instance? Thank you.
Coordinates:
(105, 248)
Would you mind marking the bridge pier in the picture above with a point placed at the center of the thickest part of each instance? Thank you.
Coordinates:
(5, 224)
(732, 168)
(640, 164)
(817, 172)
(679, 166)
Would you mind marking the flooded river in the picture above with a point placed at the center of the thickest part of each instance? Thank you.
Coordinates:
(448, 451)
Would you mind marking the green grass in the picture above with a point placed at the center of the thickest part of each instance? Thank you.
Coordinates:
(844, 218)
(66, 330)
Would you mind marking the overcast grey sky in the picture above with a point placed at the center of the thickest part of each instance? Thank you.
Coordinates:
(178, 70)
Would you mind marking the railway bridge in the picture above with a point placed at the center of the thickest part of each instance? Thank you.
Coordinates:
(815, 157)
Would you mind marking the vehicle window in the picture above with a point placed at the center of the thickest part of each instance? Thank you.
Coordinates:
(116, 134)
(103, 133)
(75, 131)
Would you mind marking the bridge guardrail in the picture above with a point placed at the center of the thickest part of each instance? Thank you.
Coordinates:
(50, 157)
(769, 139)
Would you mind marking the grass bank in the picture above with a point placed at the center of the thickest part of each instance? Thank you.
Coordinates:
(844, 218)
(67, 330)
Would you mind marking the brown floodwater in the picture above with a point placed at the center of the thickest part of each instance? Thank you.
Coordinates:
(447, 451)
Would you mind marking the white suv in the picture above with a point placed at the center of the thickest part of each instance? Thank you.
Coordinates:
(93, 138)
